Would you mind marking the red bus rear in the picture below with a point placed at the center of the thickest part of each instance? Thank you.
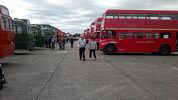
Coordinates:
(7, 45)
(60, 35)
(145, 31)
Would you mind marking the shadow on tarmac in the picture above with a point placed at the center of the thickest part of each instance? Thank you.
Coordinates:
(10, 64)
(23, 53)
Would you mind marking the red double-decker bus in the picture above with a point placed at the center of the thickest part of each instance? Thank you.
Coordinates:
(143, 31)
(97, 30)
(7, 45)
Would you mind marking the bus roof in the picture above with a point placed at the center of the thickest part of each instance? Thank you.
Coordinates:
(163, 12)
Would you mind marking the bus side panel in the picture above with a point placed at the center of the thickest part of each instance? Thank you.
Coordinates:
(176, 40)
(7, 46)
(11, 45)
(3, 44)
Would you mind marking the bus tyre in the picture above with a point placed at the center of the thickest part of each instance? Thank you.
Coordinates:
(109, 49)
(165, 50)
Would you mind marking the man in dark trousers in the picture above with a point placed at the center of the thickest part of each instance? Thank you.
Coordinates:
(92, 48)
(82, 45)
(63, 44)
(49, 42)
(71, 42)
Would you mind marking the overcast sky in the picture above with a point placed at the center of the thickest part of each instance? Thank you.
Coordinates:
(76, 15)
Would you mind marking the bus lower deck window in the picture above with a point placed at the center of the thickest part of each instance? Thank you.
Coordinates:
(165, 35)
(123, 35)
(155, 35)
(148, 35)
(139, 35)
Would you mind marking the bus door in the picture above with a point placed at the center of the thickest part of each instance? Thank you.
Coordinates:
(139, 42)
(151, 40)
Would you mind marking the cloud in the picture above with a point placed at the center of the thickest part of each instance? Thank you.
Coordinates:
(76, 15)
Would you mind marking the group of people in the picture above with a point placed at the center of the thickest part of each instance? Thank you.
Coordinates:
(50, 42)
(83, 44)
(62, 43)
(92, 45)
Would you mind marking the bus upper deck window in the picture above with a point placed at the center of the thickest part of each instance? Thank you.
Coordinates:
(2, 23)
(11, 25)
(129, 17)
(19, 29)
(122, 17)
(109, 17)
(116, 17)
(154, 18)
(165, 18)
(141, 17)
(135, 17)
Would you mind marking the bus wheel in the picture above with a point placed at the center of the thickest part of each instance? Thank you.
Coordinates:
(165, 50)
(109, 49)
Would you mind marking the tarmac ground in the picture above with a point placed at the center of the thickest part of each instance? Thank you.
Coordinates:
(45, 74)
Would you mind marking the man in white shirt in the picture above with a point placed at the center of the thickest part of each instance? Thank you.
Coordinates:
(82, 45)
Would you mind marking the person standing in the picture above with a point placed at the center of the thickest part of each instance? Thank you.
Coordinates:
(63, 44)
(71, 42)
(82, 45)
(49, 42)
(2, 77)
(59, 43)
(46, 43)
(92, 48)
(53, 41)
